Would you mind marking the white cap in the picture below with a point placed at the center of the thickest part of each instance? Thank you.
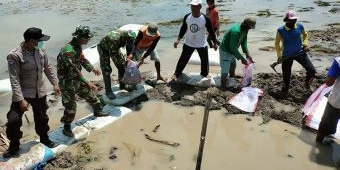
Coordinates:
(196, 2)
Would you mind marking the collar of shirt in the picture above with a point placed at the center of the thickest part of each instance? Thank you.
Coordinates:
(287, 29)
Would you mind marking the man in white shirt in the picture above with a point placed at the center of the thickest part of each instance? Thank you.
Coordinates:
(194, 26)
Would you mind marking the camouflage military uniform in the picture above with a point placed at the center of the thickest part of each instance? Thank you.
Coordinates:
(108, 48)
(70, 61)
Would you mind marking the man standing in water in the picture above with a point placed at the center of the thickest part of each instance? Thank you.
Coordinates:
(194, 26)
(71, 81)
(294, 40)
(331, 116)
(26, 65)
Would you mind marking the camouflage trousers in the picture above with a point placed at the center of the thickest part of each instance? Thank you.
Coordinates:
(118, 59)
(68, 94)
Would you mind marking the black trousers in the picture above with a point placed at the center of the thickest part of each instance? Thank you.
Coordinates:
(329, 120)
(185, 57)
(302, 59)
(14, 120)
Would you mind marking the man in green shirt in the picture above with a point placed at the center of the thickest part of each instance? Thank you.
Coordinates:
(231, 41)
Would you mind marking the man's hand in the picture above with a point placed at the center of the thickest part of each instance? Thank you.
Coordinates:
(56, 89)
(23, 105)
(215, 46)
(249, 57)
(96, 71)
(306, 48)
(92, 86)
(279, 60)
(141, 61)
(129, 57)
(244, 61)
(176, 43)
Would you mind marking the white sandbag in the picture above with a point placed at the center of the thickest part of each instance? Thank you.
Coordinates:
(247, 99)
(5, 86)
(133, 27)
(315, 98)
(214, 58)
(315, 106)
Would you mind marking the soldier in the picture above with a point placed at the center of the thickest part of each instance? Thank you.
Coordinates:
(26, 65)
(71, 81)
(108, 47)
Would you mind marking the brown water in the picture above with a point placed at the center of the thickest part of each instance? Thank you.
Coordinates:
(232, 142)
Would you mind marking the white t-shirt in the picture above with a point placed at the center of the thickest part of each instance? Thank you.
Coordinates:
(195, 34)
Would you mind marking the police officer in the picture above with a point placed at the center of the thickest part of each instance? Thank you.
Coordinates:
(71, 81)
(26, 65)
(108, 47)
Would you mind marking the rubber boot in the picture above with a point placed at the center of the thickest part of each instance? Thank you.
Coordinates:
(12, 150)
(47, 142)
(122, 86)
(67, 130)
(108, 89)
(97, 111)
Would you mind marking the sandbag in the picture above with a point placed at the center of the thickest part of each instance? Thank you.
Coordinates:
(247, 74)
(247, 99)
(132, 74)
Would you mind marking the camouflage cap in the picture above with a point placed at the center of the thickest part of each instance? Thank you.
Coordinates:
(82, 31)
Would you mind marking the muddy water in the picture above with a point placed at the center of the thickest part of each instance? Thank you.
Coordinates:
(232, 142)
(59, 18)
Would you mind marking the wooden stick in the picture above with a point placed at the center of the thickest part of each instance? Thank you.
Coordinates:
(203, 132)
(161, 141)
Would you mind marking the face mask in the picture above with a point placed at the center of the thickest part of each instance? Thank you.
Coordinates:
(39, 46)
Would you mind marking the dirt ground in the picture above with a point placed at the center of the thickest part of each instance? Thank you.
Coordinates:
(273, 104)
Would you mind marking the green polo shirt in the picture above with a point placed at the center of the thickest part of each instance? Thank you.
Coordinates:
(232, 40)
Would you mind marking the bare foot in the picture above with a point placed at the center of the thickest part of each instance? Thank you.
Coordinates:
(174, 78)
(162, 78)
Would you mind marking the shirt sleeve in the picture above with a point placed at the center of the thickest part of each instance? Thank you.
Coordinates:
(152, 47)
(184, 27)
(234, 46)
(210, 29)
(14, 75)
(72, 69)
(334, 70)
(137, 40)
(278, 48)
(86, 63)
(244, 44)
(304, 37)
(48, 70)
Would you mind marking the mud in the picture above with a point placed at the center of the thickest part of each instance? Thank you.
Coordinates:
(273, 104)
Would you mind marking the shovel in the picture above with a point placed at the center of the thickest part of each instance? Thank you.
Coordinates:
(273, 66)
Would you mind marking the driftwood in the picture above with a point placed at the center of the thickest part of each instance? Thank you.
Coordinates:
(161, 141)
(156, 128)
